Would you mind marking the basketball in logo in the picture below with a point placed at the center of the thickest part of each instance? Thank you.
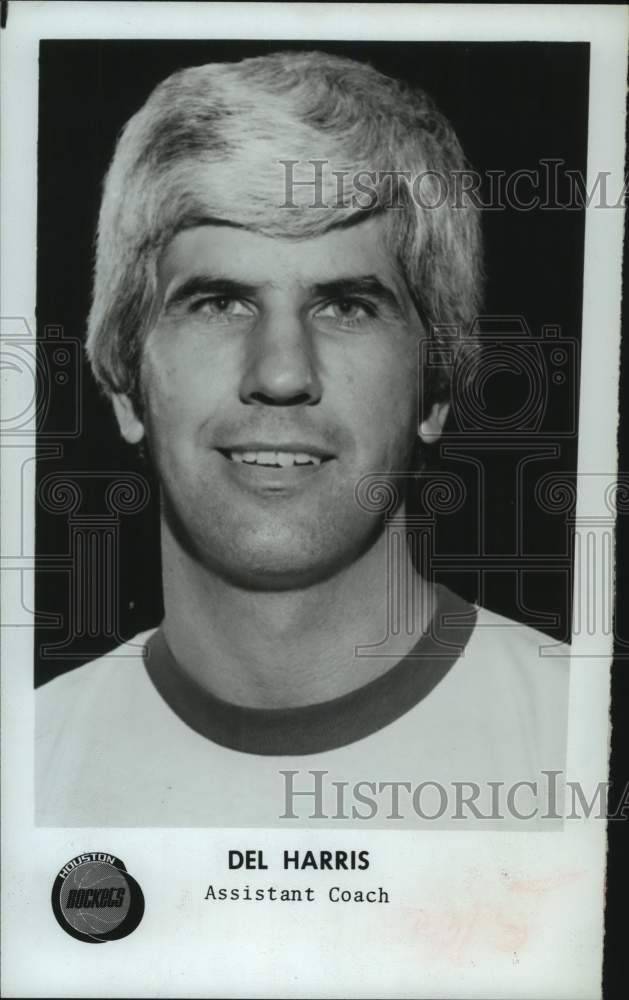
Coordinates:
(95, 899)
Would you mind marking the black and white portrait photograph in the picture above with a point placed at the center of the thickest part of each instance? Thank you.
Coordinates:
(342, 455)
(312, 488)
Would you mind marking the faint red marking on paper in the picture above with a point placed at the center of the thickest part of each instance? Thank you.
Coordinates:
(487, 924)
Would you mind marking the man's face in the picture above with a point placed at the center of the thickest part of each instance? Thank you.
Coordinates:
(279, 373)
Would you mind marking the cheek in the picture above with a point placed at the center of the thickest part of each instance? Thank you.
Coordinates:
(384, 391)
(164, 405)
(176, 387)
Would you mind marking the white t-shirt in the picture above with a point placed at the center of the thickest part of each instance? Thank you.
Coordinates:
(129, 741)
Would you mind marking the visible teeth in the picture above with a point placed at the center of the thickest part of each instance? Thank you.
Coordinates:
(283, 459)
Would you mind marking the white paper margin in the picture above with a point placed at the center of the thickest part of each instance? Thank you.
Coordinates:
(440, 939)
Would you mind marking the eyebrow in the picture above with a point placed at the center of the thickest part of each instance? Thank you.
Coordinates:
(338, 288)
(205, 284)
(348, 287)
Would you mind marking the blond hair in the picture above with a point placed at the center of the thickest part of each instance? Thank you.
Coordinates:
(209, 143)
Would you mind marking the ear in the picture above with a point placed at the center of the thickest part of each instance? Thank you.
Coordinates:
(131, 427)
(430, 429)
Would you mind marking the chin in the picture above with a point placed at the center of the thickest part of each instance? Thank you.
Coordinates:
(266, 568)
(281, 554)
(273, 567)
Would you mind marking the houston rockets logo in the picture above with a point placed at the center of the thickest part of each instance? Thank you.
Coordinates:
(95, 899)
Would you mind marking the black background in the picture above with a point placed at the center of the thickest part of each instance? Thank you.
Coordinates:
(511, 104)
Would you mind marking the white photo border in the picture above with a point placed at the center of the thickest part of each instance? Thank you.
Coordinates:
(184, 948)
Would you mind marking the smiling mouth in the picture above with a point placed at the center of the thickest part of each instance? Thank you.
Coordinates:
(274, 459)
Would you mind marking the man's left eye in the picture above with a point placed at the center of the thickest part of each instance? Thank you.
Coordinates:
(345, 310)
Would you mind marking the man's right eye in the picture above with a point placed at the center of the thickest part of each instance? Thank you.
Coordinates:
(221, 307)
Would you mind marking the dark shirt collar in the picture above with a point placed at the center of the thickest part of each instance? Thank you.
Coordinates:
(327, 725)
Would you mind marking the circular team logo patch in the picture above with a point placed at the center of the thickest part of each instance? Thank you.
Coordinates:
(95, 899)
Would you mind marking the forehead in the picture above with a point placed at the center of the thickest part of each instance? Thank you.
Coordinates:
(240, 254)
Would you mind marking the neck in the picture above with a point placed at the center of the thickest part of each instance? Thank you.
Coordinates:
(281, 649)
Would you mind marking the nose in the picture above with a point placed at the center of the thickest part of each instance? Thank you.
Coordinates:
(281, 367)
